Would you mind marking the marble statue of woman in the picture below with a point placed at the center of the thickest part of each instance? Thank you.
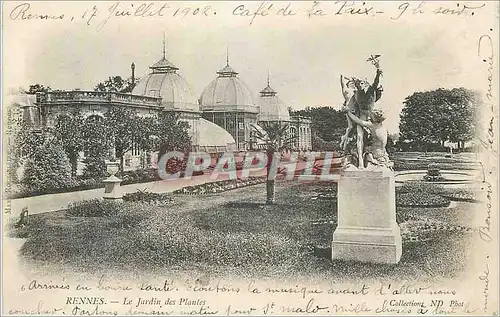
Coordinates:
(375, 151)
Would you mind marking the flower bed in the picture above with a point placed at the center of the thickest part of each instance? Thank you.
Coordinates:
(421, 187)
(148, 198)
(403, 165)
(460, 195)
(423, 230)
(421, 199)
(219, 187)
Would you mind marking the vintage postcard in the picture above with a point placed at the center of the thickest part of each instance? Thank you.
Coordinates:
(250, 158)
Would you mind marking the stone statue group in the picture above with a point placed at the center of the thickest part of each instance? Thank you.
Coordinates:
(365, 126)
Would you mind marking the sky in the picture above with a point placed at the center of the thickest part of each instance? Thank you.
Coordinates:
(305, 56)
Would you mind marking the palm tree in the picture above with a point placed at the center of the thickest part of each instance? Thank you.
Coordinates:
(276, 137)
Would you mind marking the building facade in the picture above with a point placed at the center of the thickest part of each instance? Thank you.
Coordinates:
(220, 120)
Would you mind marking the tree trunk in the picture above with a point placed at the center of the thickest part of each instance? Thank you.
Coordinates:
(270, 183)
(121, 163)
(270, 191)
(74, 165)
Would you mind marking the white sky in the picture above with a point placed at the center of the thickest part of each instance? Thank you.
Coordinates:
(305, 56)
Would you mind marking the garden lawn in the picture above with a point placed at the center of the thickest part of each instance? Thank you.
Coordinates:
(235, 233)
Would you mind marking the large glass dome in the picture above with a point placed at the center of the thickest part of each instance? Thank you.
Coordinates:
(165, 82)
(227, 90)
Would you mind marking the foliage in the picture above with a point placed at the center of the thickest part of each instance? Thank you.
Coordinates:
(275, 135)
(38, 88)
(320, 145)
(276, 138)
(170, 134)
(94, 208)
(138, 176)
(437, 116)
(28, 140)
(47, 168)
(122, 125)
(327, 124)
(68, 130)
(96, 146)
(115, 84)
(421, 199)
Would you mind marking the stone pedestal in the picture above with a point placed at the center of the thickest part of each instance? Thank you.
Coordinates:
(112, 189)
(367, 230)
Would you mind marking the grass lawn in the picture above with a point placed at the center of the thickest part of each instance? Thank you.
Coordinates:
(235, 234)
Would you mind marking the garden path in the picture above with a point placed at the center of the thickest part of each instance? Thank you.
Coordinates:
(52, 202)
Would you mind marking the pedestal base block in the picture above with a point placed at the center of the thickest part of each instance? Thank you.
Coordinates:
(112, 188)
(367, 230)
(367, 245)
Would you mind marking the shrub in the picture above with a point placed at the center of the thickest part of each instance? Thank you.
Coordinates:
(94, 208)
(89, 183)
(138, 176)
(47, 168)
(94, 167)
(421, 199)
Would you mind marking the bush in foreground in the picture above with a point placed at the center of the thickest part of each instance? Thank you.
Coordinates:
(47, 168)
(94, 208)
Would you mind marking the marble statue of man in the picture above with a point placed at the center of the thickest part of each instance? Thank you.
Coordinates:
(366, 95)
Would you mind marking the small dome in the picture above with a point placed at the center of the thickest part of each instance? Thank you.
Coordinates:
(227, 90)
(23, 106)
(211, 134)
(21, 100)
(271, 107)
(165, 82)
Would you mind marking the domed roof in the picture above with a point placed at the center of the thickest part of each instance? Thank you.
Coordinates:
(210, 134)
(227, 90)
(165, 82)
(271, 107)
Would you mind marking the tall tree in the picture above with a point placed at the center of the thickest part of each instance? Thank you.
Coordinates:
(434, 117)
(171, 134)
(68, 130)
(96, 146)
(122, 128)
(327, 124)
(276, 137)
(38, 88)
